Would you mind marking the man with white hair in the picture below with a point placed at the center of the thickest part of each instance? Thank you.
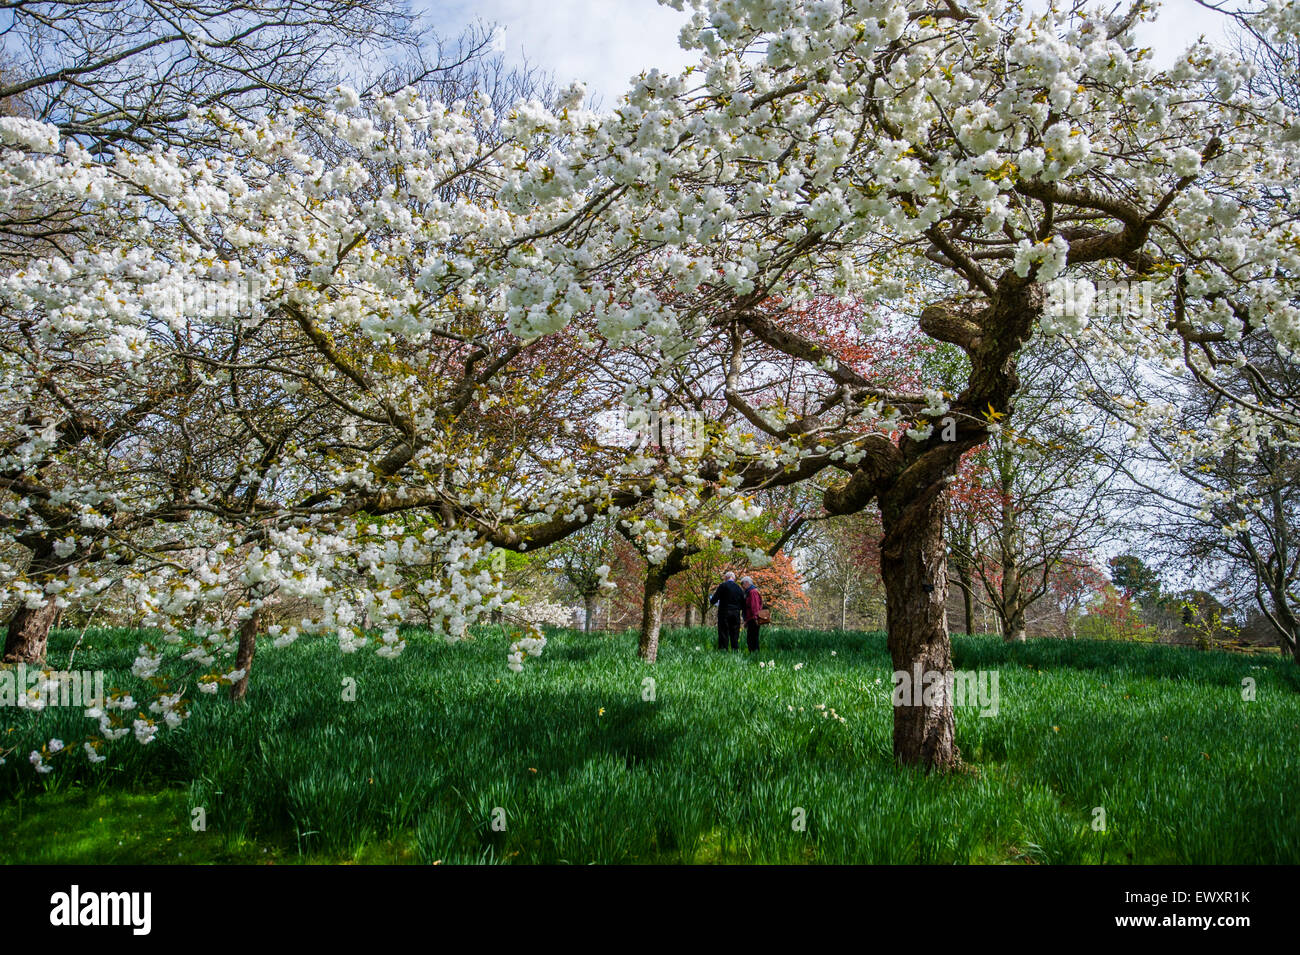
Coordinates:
(730, 600)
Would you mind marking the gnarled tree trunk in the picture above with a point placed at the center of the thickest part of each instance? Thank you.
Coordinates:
(29, 627)
(910, 482)
(29, 631)
(244, 656)
(913, 565)
(652, 605)
(652, 613)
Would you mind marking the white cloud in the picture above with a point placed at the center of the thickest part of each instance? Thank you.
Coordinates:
(1179, 24)
(603, 43)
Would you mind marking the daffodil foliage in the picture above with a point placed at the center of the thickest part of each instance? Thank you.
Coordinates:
(353, 350)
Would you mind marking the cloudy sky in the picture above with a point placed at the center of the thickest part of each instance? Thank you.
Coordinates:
(606, 42)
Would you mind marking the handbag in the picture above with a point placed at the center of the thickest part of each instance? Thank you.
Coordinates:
(764, 616)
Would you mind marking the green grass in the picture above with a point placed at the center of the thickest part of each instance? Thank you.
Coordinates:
(712, 770)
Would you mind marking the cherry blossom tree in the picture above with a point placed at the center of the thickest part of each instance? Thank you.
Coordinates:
(941, 163)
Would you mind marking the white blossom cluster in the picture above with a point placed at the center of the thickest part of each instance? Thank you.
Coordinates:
(524, 646)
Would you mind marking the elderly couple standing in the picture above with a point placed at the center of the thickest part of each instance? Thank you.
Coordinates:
(737, 602)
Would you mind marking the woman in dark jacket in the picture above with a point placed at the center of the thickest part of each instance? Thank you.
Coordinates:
(753, 604)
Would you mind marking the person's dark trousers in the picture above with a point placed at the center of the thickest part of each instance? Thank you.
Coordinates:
(728, 631)
(751, 636)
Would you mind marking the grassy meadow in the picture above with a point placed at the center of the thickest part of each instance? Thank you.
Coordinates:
(719, 767)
